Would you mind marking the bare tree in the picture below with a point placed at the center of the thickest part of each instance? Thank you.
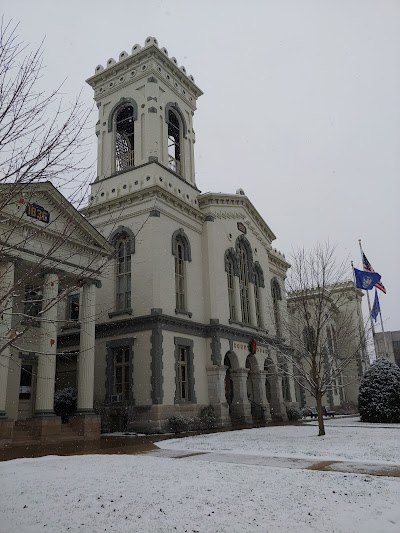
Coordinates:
(43, 138)
(324, 324)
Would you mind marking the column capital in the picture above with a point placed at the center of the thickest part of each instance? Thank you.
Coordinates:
(89, 281)
(47, 271)
(240, 372)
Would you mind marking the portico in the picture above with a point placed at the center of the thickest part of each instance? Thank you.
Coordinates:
(36, 283)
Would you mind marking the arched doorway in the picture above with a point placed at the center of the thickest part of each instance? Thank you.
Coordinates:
(228, 382)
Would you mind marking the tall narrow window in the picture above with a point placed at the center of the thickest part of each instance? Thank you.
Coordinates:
(182, 252)
(33, 300)
(183, 384)
(174, 142)
(276, 297)
(121, 381)
(309, 340)
(184, 380)
(73, 307)
(258, 284)
(244, 278)
(123, 272)
(124, 139)
(231, 289)
(180, 277)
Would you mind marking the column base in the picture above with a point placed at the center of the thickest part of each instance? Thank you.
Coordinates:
(241, 413)
(87, 424)
(6, 432)
(46, 427)
(222, 414)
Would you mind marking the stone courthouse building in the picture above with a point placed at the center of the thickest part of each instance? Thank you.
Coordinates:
(190, 311)
(188, 307)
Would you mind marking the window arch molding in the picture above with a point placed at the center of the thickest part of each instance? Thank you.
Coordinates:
(120, 232)
(117, 107)
(231, 255)
(259, 275)
(179, 236)
(242, 242)
(276, 288)
(173, 106)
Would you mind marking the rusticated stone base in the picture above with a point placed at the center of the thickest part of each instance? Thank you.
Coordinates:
(46, 429)
(241, 413)
(87, 426)
(154, 418)
(6, 432)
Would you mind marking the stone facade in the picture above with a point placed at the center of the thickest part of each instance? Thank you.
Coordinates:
(183, 335)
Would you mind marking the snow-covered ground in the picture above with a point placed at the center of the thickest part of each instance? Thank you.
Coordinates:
(150, 493)
(345, 439)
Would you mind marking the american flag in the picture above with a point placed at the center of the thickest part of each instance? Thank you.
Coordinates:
(368, 268)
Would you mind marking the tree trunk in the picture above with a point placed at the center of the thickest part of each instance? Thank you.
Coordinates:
(321, 426)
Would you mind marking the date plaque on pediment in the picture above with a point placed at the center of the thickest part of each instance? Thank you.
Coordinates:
(241, 227)
(38, 212)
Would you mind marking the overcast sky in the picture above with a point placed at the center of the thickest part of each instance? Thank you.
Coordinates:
(301, 105)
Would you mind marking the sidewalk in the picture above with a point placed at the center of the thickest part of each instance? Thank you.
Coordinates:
(350, 467)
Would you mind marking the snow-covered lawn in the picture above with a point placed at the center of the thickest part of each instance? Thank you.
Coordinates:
(345, 439)
(155, 494)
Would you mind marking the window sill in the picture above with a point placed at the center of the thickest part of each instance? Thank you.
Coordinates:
(34, 322)
(182, 312)
(71, 324)
(120, 312)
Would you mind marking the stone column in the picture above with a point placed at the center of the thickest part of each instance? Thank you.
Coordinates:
(87, 310)
(240, 407)
(252, 302)
(216, 393)
(261, 404)
(238, 305)
(87, 423)
(6, 304)
(46, 371)
(278, 410)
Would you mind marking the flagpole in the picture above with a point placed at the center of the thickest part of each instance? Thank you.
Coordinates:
(369, 305)
(360, 323)
(383, 333)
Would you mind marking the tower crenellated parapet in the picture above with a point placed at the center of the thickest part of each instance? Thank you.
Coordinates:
(137, 65)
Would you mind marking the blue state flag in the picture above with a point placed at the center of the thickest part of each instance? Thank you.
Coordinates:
(376, 308)
(366, 280)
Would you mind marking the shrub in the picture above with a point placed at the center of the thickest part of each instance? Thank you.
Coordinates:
(379, 396)
(180, 424)
(65, 403)
(208, 418)
(293, 413)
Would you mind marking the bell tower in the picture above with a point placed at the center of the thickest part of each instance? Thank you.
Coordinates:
(146, 104)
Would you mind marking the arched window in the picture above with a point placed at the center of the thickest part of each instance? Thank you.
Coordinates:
(231, 289)
(276, 297)
(123, 241)
(180, 291)
(258, 284)
(245, 261)
(182, 252)
(231, 269)
(174, 142)
(123, 272)
(309, 339)
(124, 138)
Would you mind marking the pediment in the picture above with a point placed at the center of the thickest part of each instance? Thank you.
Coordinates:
(42, 211)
